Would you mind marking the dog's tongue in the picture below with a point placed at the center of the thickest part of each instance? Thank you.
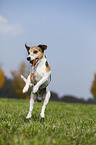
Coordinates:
(33, 62)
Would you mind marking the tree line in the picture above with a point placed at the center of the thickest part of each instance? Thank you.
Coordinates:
(12, 88)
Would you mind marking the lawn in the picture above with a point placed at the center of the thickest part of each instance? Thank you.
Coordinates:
(64, 124)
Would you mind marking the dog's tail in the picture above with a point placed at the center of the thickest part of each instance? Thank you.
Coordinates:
(25, 80)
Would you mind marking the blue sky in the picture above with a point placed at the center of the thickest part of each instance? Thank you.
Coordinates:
(68, 27)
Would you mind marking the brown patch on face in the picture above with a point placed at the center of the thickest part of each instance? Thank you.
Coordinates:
(47, 67)
(36, 52)
(35, 48)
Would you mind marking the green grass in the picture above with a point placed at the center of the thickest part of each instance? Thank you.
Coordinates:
(64, 124)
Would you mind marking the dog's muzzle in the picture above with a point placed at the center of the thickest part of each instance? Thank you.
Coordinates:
(33, 61)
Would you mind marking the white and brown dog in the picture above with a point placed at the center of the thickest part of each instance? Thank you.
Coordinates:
(39, 77)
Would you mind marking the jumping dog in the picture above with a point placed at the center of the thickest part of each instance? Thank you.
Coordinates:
(39, 77)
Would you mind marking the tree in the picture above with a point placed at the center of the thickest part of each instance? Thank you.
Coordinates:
(2, 78)
(93, 87)
(17, 82)
(7, 90)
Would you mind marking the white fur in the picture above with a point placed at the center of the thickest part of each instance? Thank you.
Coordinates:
(32, 57)
(43, 79)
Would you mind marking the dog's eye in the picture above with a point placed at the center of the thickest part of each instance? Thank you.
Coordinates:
(35, 51)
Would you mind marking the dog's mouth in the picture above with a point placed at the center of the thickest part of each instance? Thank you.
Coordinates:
(34, 61)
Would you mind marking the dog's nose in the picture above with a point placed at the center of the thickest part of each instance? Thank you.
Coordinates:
(28, 58)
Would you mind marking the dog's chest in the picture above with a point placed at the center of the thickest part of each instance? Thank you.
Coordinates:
(39, 71)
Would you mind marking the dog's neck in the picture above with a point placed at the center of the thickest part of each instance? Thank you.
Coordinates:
(34, 65)
(41, 60)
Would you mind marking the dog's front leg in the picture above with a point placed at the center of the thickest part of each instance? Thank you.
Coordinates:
(36, 87)
(32, 101)
(46, 100)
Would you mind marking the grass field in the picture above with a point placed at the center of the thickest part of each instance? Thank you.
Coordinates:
(64, 124)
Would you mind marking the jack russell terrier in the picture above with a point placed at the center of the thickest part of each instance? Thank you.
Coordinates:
(39, 77)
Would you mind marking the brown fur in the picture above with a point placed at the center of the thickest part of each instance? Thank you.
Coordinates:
(37, 49)
(48, 68)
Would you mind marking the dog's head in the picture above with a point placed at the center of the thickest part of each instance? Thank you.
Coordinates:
(35, 52)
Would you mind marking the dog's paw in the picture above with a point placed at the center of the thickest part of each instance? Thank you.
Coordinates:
(42, 115)
(28, 116)
(25, 89)
(35, 89)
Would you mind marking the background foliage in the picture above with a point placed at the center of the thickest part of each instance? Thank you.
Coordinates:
(17, 82)
(12, 88)
(93, 87)
(2, 78)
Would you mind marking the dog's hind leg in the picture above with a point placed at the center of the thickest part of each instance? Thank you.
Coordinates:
(32, 101)
(46, 100)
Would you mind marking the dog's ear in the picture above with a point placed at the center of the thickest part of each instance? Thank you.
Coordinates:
(27, 47)
(43, 47)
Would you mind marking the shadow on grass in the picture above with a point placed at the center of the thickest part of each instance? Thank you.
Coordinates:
(37, 118)
(27, 120)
